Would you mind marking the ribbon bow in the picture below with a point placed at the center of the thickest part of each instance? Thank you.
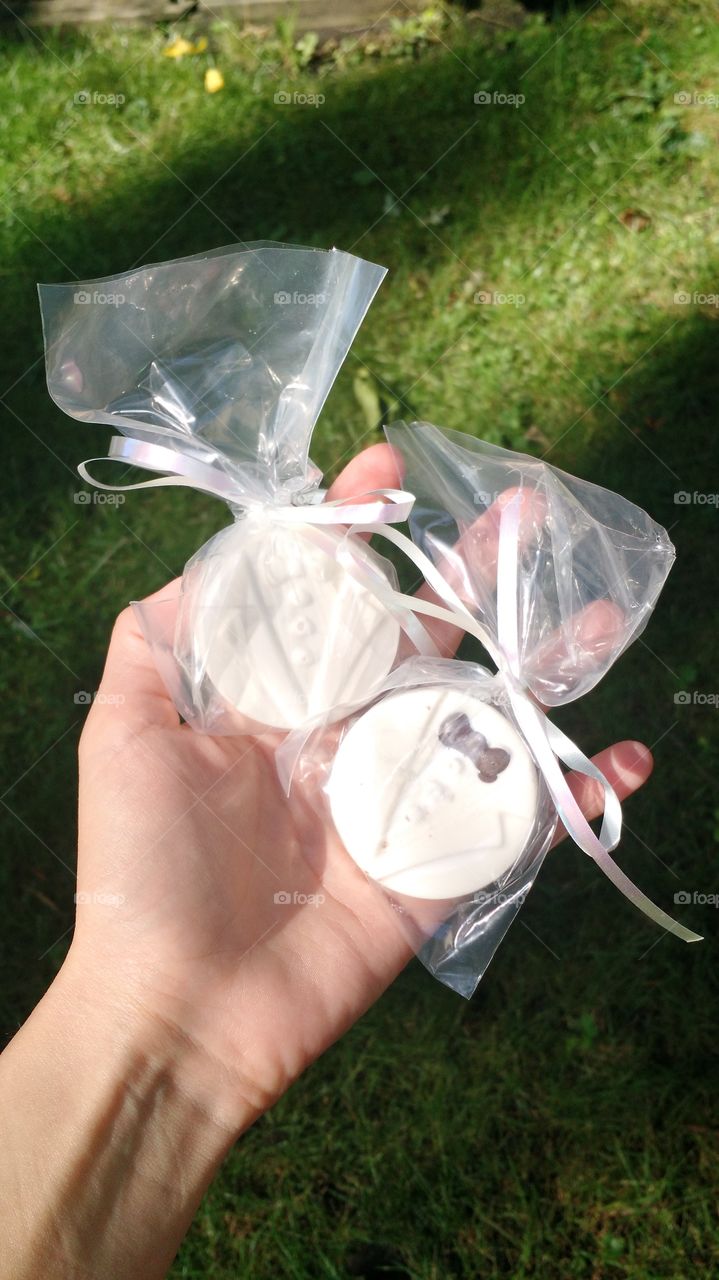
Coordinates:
(392, 506)
(547, 743)
(192, 473)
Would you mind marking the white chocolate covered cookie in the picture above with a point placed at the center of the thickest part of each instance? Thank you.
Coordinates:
(433, 792)
(284, 631)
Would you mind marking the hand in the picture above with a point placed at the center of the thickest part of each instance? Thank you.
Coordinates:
(184, 842)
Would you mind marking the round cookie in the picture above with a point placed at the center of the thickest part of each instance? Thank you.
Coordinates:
(433, 792)
(284, 631)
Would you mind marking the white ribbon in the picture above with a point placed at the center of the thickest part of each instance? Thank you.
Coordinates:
(392, 506)
(192, 473)
(546, 742)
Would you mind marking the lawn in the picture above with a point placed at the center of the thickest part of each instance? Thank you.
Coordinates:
(553, 287)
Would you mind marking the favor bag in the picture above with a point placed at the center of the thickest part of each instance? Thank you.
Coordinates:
(214, 369)
(448, 788)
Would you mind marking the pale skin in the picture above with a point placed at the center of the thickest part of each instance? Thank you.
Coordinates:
(187, 1003)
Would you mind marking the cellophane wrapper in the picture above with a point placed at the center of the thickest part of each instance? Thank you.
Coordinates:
(226, 358)
(455, 938)
(591, 565)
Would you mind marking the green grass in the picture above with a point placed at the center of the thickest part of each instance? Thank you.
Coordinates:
(563, 1124)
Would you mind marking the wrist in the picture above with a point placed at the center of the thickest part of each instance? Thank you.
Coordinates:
(120, 1020)
(127, 1119)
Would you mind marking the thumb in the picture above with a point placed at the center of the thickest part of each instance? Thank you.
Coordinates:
(132, 695)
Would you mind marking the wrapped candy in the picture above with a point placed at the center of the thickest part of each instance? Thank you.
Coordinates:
(214, 368)
(433, 791)
(447, 790)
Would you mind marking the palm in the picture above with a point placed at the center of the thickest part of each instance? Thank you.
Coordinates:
(185, 886)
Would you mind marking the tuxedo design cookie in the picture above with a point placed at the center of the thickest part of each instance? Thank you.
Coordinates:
(434, 792)
(285, 631)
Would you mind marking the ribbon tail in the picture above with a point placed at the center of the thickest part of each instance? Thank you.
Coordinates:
(539, 734)
(640, 900)
(550, 745)
(457, 615)
(574, 758)
(175, 468)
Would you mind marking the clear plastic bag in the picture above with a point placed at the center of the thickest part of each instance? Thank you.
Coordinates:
(449, 809)
(215, 367)
(454, 835)
(591, 563)
(225, 356)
